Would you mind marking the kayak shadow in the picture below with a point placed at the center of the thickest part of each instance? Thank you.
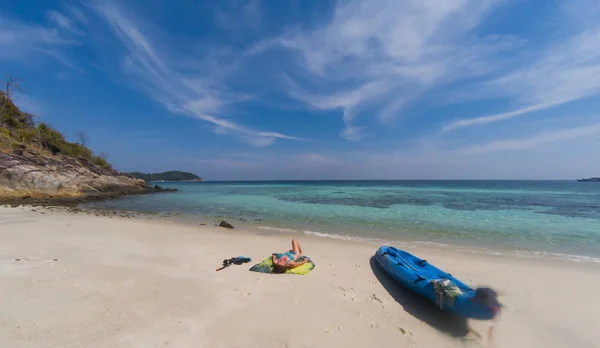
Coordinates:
(420, 307)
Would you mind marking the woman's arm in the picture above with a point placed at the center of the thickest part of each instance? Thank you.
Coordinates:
(294, 264)
(274, 259)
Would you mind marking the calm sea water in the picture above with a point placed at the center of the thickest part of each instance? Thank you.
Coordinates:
(529, 217)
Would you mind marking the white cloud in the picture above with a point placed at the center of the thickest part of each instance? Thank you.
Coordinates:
(503, 116)
(61, 20)
(535, 141)
(191, 93)
(76, 14)
(349, 101)
(277, 135)
(25, 43)
(378, 58)
(567, 71)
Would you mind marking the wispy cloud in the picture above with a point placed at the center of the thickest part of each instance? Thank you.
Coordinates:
(503, 116)
(377, 59)
(200, 93)
(25, 42)
(567, 71)
(76, 14)
(534, 141)
(349, 101)
(63, 22)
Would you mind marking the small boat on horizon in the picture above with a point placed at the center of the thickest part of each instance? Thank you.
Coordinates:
(596, 179)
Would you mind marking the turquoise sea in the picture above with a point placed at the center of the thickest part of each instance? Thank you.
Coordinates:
(529, 218)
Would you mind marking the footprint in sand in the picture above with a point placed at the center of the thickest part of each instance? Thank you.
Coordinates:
(412, 344)
(350, 297)
(346, 293)
(374, 299)
(333, 329)
(374, 325)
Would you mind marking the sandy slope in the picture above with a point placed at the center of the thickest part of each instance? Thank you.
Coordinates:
(85, 281)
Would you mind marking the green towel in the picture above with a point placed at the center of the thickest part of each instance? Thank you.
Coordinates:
(266, 266)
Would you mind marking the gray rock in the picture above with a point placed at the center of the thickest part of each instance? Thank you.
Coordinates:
(61, 176)
(225, 224)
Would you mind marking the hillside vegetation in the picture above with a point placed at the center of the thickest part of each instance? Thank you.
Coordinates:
(167, 176)
(18, 131)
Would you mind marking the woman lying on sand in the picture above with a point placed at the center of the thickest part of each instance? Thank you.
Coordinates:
(290, 259)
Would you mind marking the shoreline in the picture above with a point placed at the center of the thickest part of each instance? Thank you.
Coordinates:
(255, 228)
(532, 220)
(36, 199)
(475, 249)
(95, 281)
(275, 229)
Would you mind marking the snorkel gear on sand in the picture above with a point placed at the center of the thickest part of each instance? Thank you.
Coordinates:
(234, 261)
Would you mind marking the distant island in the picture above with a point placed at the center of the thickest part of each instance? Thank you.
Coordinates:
(589, 180)
(173, 175)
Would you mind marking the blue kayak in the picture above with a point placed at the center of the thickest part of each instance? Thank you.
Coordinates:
(439, 287)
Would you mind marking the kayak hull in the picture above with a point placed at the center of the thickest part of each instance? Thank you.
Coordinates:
(417, 275)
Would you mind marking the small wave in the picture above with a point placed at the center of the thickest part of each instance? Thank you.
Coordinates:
(420, 243)
(339, 237)
(527, 254)
(277, 229)
(530, 254)
(560, 256)
(377, 241)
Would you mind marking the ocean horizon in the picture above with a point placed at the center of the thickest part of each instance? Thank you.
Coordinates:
(530, 218)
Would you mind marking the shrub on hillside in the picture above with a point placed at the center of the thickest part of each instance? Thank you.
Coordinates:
(101, 162)
(19, 128)
(74, 150)
(26, 135)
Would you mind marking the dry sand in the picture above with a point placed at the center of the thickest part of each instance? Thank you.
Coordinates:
(86, 281)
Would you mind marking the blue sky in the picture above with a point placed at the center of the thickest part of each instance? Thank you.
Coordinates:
(357, 89)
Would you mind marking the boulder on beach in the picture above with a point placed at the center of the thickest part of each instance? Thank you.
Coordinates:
(225, 224)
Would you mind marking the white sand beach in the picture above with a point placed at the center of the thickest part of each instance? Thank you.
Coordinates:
(76, 280)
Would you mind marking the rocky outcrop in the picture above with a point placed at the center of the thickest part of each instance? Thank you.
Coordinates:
(225, 224)
(28, 174)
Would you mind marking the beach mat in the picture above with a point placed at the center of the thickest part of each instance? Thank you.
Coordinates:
(266, 266)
